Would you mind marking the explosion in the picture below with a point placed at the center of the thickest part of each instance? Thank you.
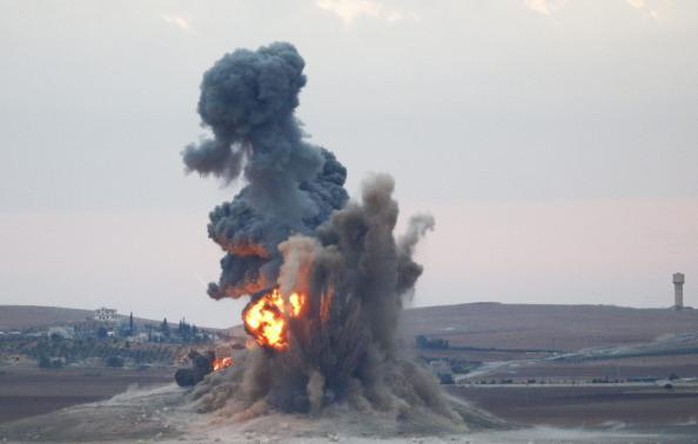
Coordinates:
(266, 318)
(326, 277)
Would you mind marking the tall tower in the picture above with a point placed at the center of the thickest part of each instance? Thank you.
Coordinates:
(678, 290)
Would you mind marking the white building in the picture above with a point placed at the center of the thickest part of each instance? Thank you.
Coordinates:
(104, 314)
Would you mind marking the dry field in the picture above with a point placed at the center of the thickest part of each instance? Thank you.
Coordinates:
(684, 366)
(547, 327)
(165, 415)
(520, 336)
(587, 406)
(29, 391)
(617, 342)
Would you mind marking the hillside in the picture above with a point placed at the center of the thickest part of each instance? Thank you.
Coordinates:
(485, 325)
(551, 327)
(14, 317)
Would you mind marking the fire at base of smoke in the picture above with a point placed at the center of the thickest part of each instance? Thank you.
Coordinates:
(327, 277)
(406, 407)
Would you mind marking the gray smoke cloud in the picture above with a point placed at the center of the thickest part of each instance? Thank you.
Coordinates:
(356, 289)
(292, 226)
(248, 100)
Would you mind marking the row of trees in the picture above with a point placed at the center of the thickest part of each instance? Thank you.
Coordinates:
(186, 332)
(183, 333)
(51, 353)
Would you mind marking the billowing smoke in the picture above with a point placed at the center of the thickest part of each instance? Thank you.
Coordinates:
(247, 100)
(292, 228)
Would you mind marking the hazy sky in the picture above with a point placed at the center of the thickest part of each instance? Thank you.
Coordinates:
(556, 143)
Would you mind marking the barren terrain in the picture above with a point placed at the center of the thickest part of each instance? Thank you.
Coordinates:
(15, 317)
(614, 406)
(164, 415)
(536, 367)
(28, 391)
(546, 327)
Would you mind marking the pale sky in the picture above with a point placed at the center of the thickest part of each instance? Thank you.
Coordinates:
(555, 142)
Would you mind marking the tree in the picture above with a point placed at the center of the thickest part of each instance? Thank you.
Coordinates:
(102, 332)
(130, 324)
(165, 328)
(114, 361)
(150, 332)
(44, 362)
(185, 330)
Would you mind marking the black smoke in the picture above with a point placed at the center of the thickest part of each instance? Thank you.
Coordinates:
(293, 226)
(247, 100)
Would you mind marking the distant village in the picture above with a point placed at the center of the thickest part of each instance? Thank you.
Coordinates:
(103, 338)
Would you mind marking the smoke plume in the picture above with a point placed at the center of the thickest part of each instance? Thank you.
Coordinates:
(293, 228)
(247, 100)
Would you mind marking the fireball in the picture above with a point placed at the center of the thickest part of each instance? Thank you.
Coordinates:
(266, 319)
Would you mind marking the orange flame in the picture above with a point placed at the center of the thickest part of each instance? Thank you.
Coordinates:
(221, 363)
(326, 303)
(296, 304)
(266, 318)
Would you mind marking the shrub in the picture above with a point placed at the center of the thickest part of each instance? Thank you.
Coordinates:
(44, 362)
(114, 361)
